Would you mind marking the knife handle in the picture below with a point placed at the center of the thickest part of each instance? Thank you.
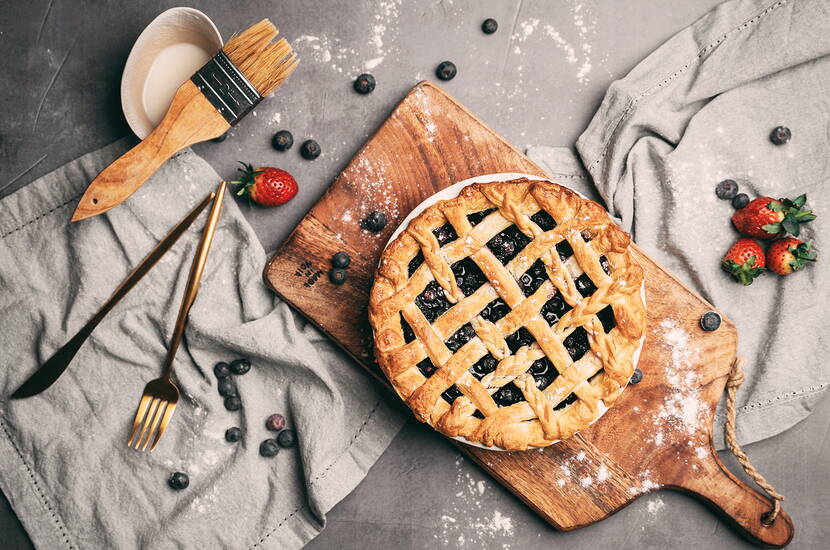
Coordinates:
(190, 119)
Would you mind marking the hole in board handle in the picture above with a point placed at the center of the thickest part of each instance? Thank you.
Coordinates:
(94, 200)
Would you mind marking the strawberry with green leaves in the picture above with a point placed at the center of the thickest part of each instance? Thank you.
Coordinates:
(744, 261)
(266, 186)
(767, 218)
(788, 254)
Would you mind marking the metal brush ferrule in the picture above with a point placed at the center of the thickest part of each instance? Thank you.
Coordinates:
(224, 85)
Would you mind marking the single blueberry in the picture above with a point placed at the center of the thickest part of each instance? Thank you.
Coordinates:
(338, 276)
(740, 200)
(636, 377)
(375, 221)
(282, 140)
(233, 403)
(710, 321)
(226, 387)
(275, 422)
(310, 149)
(364, 83)
(780, 135)
(287, 438)
(489, 26)
(341, 260)
(221, 370)
(269, 448)
(178, 481)
(446, 70)
(727, 189)
(240, 366)
(232, 435)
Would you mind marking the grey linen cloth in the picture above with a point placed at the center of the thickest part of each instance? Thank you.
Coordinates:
(699, 110)
(66, 468)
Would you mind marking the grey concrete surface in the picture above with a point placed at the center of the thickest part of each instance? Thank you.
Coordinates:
(537, 80)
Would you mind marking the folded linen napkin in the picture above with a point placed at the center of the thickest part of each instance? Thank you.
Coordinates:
(698, 110)
(67, 470)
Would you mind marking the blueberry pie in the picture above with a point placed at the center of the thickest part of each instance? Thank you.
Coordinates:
(510, 315)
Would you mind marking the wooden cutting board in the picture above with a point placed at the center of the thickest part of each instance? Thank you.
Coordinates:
(658, 434)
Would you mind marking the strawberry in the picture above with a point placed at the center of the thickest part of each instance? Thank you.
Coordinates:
(788, 254)
(267, 186)
(767, 218)
(744, 261)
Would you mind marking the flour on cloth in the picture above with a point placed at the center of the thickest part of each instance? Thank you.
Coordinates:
(697, 111)
(66, 468)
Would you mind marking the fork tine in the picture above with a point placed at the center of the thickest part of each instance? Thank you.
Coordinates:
(168, 413)
(156, 419)
(150, 414)
(139, 416)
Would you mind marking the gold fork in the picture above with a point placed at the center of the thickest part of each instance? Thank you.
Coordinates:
(161, 395)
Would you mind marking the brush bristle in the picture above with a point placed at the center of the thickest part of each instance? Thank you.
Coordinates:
(263, 62)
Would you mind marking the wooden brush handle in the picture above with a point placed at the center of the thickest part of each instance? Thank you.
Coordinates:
(190, 119)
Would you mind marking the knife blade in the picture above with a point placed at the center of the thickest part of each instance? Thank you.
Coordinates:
(51, 370)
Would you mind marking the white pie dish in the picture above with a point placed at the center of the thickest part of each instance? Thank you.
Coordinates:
(453, 191)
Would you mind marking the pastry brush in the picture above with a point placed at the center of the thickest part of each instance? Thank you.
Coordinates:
(248, 68)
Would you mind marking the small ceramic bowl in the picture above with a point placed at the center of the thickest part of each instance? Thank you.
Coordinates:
(187, 28)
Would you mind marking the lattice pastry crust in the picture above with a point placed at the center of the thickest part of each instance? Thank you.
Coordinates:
(509, 315)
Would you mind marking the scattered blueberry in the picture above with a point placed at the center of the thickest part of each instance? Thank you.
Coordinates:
(240, 366)
(269, 448)
(310, 149)
(232, 435)
(226, 387)
(740, 200)
(287, 438)
(636, 377)
(220, 139)
(710, 321)
(338, 276)
(341, 260)
(178, 481)
(221, 369)
(275, 422)
(375, 221)
(727, 189)
(780, 135)
(233, 403)
(282, 140)
(489, 26)
(364, 83)
(429, 296)
(446, 70)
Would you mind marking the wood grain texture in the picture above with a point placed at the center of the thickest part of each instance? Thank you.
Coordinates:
(642, 444)
(190, 119)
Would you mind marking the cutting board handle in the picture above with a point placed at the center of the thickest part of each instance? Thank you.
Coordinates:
(739, 503)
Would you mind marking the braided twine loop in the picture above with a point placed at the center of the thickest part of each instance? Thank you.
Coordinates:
(736, 378)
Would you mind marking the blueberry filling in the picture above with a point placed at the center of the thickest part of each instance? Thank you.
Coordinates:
(585, 285)
(564, 249)
(468, 276)
(508, 243)
(408, 335)
(477, 414)
(543, 372)
(451, 394)
(544, 220)
(565, 402)
(415, 263)
(495, 310)
(432, 301)
(461, 337)
(477, 217)
(586, 235)
(445, 234)
(606, 317)
(507, 395)
(532, 279)
(483, 366)
(521, 337)
(577, 343)
(426, 367)
(606, 266)
(554, 309)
